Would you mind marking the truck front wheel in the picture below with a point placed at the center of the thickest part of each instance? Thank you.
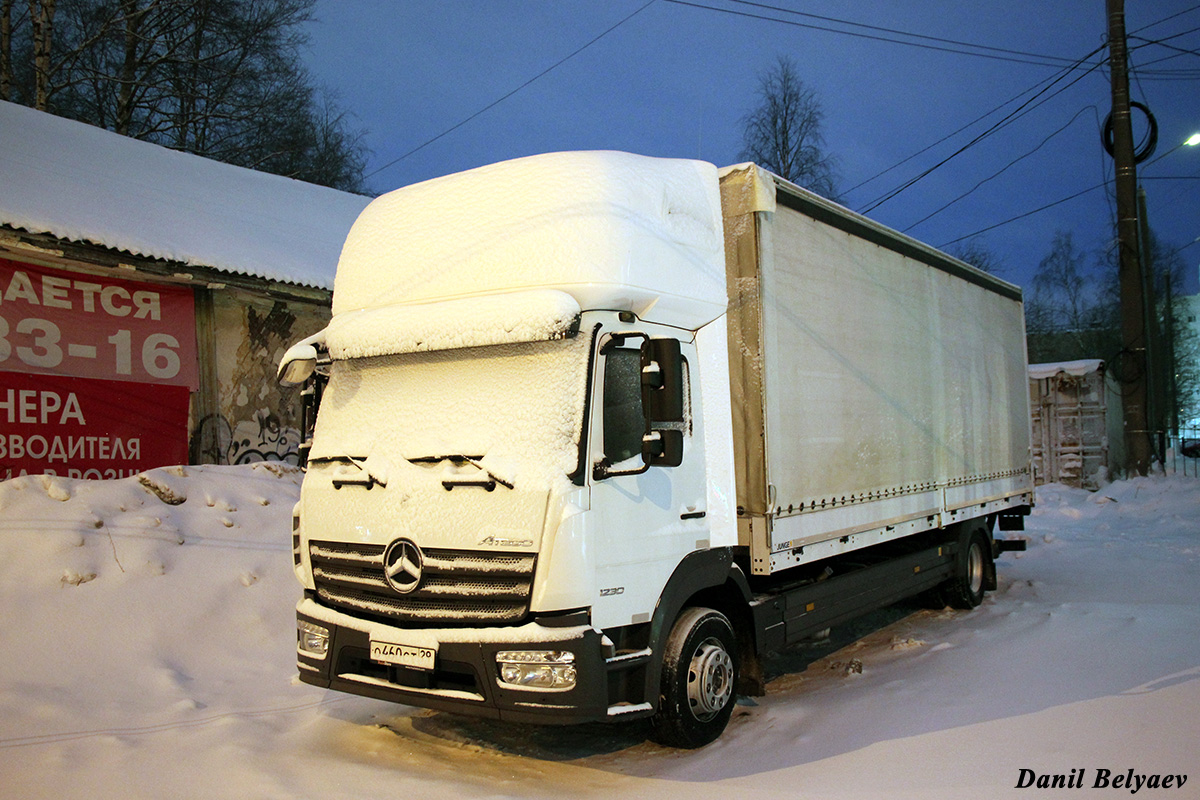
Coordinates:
(699, 674)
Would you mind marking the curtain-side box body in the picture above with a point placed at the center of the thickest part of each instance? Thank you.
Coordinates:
(878, 385)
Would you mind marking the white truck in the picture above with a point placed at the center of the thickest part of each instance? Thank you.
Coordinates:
(597, 432)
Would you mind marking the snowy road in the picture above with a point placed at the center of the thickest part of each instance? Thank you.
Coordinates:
(148, 652)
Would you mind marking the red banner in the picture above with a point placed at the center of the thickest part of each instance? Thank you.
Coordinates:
(94, 373)
(62, 323)
(89, 428)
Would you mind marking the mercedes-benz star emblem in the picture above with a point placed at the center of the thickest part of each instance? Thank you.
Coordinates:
(402, 565)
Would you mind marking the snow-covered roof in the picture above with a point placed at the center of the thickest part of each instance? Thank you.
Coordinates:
(82, 183)
(1079, 368)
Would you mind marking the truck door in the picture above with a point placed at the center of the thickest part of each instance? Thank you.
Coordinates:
(647, 500)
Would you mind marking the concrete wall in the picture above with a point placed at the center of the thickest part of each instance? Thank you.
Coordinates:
(251, 418)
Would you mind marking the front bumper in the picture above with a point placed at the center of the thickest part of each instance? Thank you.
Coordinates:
(465, 678)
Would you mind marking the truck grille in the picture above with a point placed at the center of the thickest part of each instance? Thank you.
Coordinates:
(457, 586)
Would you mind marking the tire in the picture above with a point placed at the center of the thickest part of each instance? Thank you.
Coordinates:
(699, 679)
(968, 586)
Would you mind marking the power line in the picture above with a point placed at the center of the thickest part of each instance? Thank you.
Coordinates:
(1022, 216)
(1009, 119)
(1042, 62)
(1000, 171)
(1167, 18)
(897, 32)
(509, 94)
(1166, 74)
(1012, 117)
(1007, 102)
(1164, 38)
(1060, 202)
(1179, 51)
(951, 135)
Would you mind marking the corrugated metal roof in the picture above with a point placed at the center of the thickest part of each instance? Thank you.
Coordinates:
(86, 184)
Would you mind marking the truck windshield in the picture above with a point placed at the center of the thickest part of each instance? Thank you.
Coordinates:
(516, 408)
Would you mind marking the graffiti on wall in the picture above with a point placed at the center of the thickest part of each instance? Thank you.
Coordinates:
(263, 438)
(257, 419)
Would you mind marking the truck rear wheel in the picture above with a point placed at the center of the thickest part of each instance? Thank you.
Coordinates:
(699, 675)
(967, 587)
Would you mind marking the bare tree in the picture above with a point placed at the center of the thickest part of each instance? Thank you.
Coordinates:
(1173, 339)
(1074, 313)
(219, 78)
(1071, 312)
(1062, 299)
(975, 254)
(783, 134)
(41, 16)
(6, 31)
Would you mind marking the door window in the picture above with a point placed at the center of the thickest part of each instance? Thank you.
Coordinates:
(624, 422)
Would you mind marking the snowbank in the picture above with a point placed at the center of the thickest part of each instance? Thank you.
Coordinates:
(149, 651)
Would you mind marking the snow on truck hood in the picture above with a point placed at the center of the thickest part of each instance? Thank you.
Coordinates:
(612, 230)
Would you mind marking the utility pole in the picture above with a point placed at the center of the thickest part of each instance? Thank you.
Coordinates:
(1155, 383)
(1132, 366)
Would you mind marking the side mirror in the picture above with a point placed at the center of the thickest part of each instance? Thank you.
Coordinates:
(297, 364)
(662, 402)
(662, 380)
(663, 448)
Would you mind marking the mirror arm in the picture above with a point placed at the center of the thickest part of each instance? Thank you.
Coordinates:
(602, 469)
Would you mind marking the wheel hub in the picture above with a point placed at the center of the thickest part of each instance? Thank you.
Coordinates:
(710, 680)
(975, 569)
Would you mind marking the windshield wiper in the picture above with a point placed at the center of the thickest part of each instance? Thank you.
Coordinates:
(488, 483)
(364, 477)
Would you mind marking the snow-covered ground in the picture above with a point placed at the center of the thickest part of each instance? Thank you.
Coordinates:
(147, 651)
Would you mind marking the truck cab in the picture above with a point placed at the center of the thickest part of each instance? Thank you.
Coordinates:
(503, 480)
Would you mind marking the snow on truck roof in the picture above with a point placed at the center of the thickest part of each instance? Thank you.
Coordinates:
(612, 230)
(82, 183)
(1077, 369)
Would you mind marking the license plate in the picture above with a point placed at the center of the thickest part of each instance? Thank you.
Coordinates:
(404, 655)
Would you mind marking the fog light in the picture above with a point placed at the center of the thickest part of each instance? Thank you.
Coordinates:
(537, 669)
(312, 639)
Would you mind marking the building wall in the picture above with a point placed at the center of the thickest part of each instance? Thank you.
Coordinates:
(255, 419)
(117, 410)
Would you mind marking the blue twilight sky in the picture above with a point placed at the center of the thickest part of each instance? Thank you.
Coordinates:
(675, 79)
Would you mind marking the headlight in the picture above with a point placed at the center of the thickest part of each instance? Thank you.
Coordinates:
(537, 669)
(312, 639)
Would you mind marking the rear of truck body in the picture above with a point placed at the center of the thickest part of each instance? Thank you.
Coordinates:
(593, 416)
